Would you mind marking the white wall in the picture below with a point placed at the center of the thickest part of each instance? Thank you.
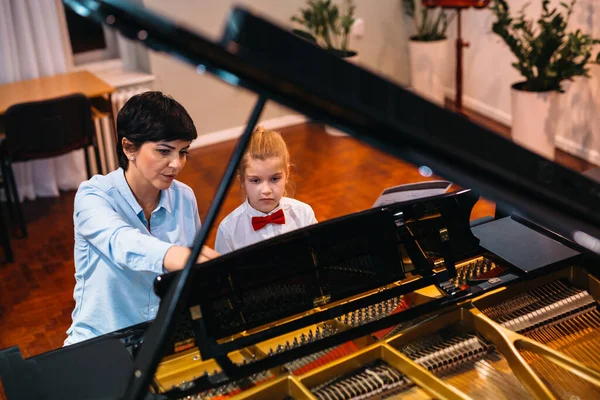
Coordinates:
(579, 127)
(215, 106)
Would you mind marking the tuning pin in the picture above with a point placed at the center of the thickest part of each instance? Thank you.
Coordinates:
(317, 332)
(295, 344)
(310, 335)
(303, 338)
(279, 348)
(270, 351)
(287, 344)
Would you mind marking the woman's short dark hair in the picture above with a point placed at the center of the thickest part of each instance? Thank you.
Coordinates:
(152, 117)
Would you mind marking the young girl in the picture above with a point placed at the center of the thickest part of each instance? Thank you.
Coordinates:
(263, 172)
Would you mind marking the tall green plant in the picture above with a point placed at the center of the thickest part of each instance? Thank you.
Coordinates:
(325, 24)
(546, 53)
(429, 24)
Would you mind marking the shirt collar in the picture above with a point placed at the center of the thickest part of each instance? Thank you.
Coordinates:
(253, 212)
(125, 190)
(165, 200)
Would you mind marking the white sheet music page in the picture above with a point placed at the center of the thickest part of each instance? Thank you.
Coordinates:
(412, 191)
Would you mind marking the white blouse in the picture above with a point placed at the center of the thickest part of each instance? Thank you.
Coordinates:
(236, 231)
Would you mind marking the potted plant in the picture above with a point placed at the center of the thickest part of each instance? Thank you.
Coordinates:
(547, 56)
(327, 26)
(428, 49)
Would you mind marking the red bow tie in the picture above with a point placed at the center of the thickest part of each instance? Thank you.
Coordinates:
(275, 218)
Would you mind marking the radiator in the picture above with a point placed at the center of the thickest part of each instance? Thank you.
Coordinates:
(105, 131)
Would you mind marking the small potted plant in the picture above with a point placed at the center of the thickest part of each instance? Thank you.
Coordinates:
(428, 49)
(547, 55)
(329, 27)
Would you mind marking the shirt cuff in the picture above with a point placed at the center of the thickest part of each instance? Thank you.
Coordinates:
(156, 256)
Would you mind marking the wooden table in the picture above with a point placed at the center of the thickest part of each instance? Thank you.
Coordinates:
(53, 86)
(50, 87)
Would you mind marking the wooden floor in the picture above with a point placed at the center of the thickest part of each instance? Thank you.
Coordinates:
(335, 175)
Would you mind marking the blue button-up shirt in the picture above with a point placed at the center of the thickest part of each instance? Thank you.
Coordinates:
(117, 258)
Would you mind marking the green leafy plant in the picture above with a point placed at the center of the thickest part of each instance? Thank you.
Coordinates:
(326, 25)
(546, 53)
(429, 24)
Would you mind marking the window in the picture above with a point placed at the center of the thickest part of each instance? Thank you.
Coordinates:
(90, 42)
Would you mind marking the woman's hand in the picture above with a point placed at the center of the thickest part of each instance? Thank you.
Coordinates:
(207, 254)
(177, 256)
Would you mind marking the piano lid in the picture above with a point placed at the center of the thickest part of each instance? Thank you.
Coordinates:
(268, 59)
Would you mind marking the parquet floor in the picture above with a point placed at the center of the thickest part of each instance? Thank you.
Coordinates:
(336, 176)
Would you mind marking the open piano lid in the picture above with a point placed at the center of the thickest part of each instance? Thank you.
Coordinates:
(267, 59)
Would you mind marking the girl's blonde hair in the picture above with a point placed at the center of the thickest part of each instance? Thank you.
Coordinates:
(265, 144)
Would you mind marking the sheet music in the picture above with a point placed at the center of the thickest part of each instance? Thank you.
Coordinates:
(412, 191)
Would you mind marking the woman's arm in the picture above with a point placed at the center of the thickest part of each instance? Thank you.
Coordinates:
(127, 247)
(97, 221)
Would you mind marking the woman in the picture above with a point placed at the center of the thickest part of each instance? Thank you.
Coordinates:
(136, 222)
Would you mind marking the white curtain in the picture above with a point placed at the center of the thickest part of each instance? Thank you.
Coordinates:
(31, 47)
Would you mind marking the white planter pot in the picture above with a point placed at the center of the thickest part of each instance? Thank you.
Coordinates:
(429, 69)
(329, 129)
(534, 120)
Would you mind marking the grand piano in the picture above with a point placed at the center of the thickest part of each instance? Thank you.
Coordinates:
(405, 300)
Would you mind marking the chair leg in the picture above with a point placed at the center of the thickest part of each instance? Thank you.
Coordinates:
(98, 162)
(10, 177)
(7, 191)
(87, 163)
(5, 239)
